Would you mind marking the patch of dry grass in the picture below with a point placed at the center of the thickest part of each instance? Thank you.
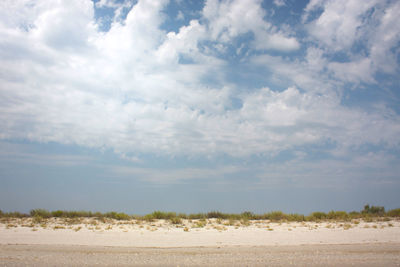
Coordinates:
(346, 226)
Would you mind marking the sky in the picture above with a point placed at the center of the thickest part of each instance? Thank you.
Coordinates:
(193, 106)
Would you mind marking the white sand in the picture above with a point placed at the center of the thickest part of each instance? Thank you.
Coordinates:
(163, 234)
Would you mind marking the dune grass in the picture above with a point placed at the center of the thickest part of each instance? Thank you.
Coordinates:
(370, 217)
(369, 213)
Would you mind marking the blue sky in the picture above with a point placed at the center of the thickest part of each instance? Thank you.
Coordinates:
(192, 106)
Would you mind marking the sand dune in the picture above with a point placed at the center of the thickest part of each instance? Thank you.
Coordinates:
(161, 233)
(265, 241)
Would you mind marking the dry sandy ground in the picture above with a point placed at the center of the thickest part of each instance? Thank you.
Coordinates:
(88, 242)
(302, 255)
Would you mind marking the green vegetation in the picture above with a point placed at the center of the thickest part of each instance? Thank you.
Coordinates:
(42, 213)
(368, 214)
(275, 216)
(176, 220)
(316, 216)
(338, 215)
(12, 215)
(393, 213)
(373, 210)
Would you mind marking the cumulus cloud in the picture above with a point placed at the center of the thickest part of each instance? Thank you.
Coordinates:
(345, 26)
(55, 29)
(385, 38)
(354, 71)
(230, 19)
(137, 88)
(339, 24)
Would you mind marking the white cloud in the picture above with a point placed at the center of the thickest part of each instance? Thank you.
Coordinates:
(344, 25)
(109, 3)
(184, 42)
(275, 41)
(230, 19)
(279, 3)
(385, 38)
(54, 27)
(354, 71)
(126, 89)
(173, 175)
(309, 75)
(180, 15)
(118, 6)
(338, 25)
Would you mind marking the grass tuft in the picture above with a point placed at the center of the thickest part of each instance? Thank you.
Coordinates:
(176, 220)
(368, 214)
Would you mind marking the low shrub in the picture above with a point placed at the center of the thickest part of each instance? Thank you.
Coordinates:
(176, 220)
(295, 217)
(338, 215)
(182, 216)
(316, 216)
(216, 215)
(42, 213)
(374, 210)
(393, 213)
(247, 214)
(275, 216)
(201, 223)
(197, 216)
(117, 216)
(163, 215)
(148, 217)
(369, 213)
(14, 214)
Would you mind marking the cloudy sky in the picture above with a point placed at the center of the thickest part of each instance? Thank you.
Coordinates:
(192, 106)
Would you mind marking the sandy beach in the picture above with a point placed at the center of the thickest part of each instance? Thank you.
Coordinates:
(208, 242)
(386, 254)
